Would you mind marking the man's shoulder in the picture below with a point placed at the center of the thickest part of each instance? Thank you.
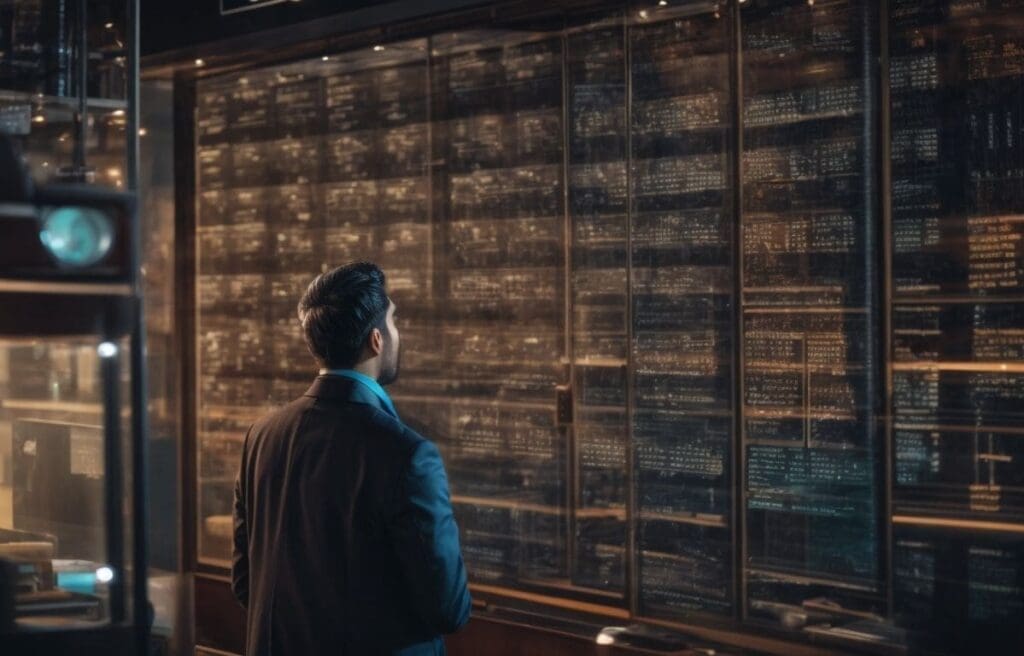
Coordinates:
(350, 416)
(393, 429)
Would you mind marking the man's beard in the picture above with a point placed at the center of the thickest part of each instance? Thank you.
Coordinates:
(390, 363)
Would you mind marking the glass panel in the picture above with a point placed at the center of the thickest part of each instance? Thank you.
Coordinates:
(52, 480)
(499, 200)
(681, 289)
(596, 71)
(958, 321)
(160, 284)
(811, 448)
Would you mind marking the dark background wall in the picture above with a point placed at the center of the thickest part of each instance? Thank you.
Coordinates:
(184, 23)
(166, 26)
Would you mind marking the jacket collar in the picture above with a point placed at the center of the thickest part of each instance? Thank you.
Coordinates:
(338, 388)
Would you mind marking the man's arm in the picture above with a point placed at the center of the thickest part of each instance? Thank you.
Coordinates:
(427, 543)
(240, 538)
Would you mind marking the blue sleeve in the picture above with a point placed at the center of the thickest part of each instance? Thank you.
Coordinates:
(427, 543)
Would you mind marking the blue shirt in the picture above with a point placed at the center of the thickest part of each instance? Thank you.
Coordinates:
(368, 382)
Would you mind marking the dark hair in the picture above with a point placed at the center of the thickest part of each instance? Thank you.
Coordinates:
(338, 311)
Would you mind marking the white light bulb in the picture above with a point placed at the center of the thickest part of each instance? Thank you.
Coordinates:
(104, 574)
(107, 349)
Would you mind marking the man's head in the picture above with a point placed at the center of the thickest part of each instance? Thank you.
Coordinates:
(349, 321)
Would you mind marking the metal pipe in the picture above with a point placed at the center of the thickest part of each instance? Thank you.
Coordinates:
(139, 401)
(82, 116)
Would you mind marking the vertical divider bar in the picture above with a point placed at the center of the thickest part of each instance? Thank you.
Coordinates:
(113, 473)
(571, 468)
(874, 360)
(738, 482)
(185, 239)
(632, 515)
(82, 112)
(885, 359)
(139, 379)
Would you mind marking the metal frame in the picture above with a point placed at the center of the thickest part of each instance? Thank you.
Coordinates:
(885, 359)
(632, 569)
(739, 461)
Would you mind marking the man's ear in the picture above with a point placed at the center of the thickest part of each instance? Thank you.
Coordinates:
(375, 342)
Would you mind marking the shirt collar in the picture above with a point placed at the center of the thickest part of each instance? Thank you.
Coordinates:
(368, 383)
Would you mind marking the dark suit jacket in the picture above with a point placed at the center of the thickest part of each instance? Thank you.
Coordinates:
(344, 540)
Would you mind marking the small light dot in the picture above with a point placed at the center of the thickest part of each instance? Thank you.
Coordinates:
(106, 350)
(662, 3)
(378, 48)
(109, 26)
(200, 62)
(104, 574)
(118, 112)
(325, 58)
(142, 132)
(643, 14)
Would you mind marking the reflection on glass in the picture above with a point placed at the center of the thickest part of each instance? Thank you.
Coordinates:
(52, 512)
(958, 321)
(811, 446)
(600, 336)
(681, 302)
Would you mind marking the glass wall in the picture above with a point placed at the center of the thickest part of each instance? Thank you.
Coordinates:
(712, 307)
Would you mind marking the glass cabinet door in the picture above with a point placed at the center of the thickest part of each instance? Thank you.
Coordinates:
(811, 445)
(499, 192)
(53, 472)
(681, 290)
(957, 321)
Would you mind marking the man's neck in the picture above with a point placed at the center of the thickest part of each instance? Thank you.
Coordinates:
(367, 369)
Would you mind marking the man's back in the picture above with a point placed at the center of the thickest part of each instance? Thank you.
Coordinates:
(344, 538)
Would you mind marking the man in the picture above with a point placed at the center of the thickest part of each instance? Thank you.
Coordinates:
(344, 540)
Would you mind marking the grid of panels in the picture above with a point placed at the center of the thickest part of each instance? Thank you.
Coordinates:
(695, 333)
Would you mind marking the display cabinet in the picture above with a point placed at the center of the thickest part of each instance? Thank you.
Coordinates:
(714, 308)
(65, 100)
